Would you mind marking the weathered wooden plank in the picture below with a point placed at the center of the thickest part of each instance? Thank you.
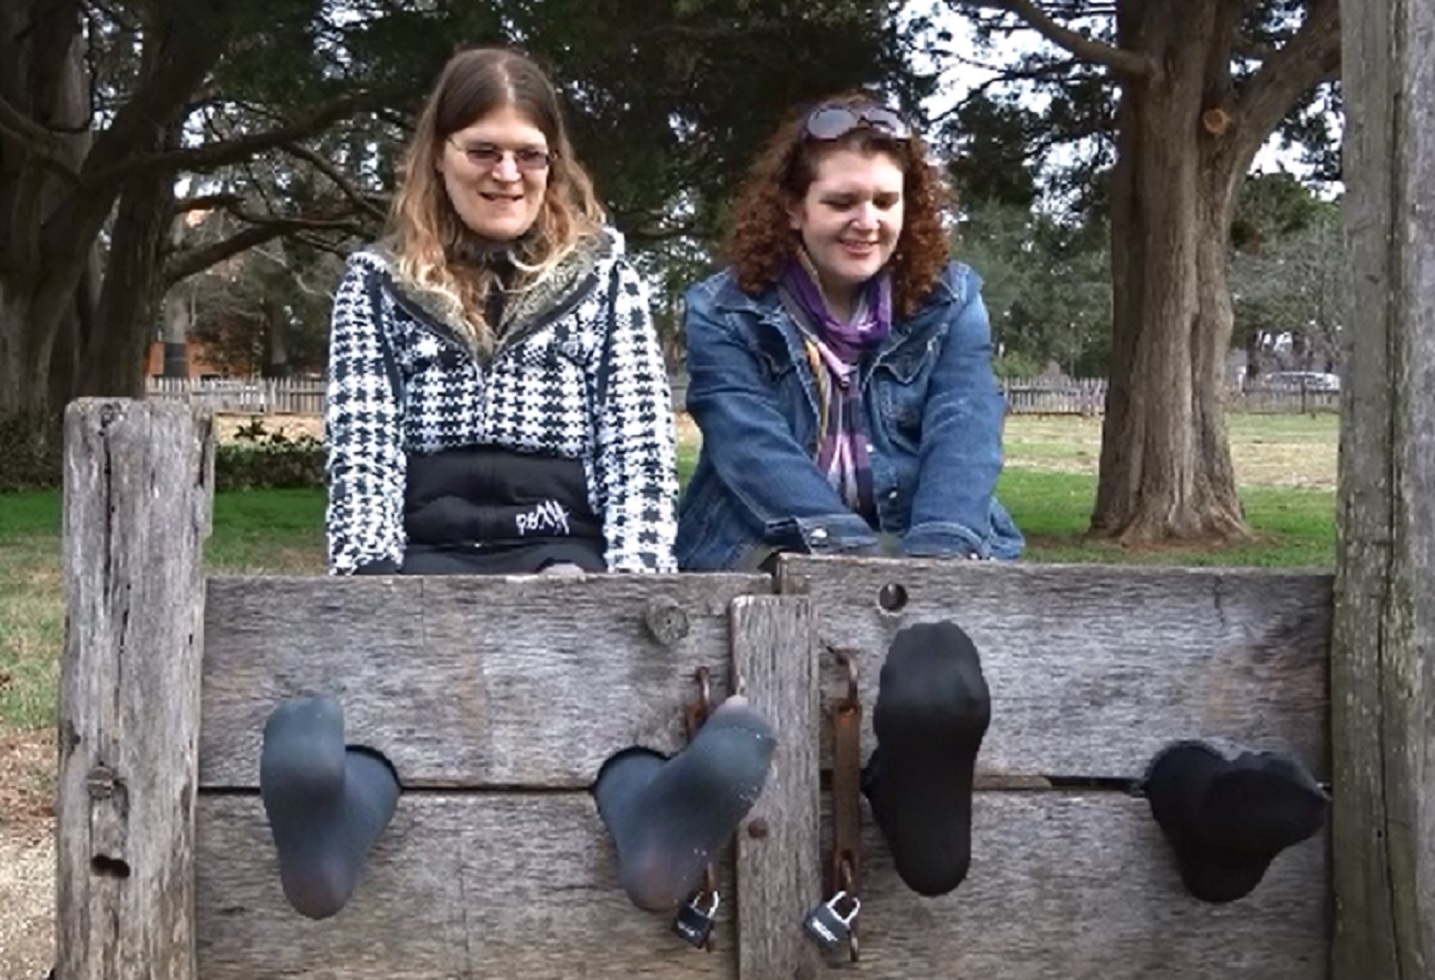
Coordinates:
(136, 513)
(778, 864)
(466, 681)
(1063, 885)
(1382, 670)
(1068, 886)
(460, 885)
(1093, 668)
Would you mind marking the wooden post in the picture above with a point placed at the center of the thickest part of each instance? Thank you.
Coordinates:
(136, 513)
(778, 860)
(1383, 659)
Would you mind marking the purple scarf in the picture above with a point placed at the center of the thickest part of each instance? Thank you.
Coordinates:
(834, 349)
(871, 321)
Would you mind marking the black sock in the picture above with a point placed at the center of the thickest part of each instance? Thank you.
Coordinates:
(1227, 819)
(668, 816)
(326, 803)
(932, 711)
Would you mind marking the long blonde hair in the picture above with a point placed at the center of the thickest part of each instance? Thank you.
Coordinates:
(423, 223)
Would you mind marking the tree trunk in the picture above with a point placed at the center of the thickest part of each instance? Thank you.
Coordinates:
(1165, 464)
(64, 333)
(1382, 668)
(43, 76)
(276, 339)
(130, 298)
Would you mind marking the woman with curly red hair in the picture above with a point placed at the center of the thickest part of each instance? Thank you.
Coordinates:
(840, 368)
(840, 372)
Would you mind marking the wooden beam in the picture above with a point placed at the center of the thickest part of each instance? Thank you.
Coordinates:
(136, 514)
(466, 681)
(1383, 654)
(518, 885)
(1093, 669)
(779, 866)
(1063, 884)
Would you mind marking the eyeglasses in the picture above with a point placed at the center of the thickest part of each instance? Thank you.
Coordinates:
(831, 122)
(487, 156)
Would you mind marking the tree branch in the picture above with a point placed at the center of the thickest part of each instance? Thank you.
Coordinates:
(1046, 71)
(1310, 57)
(1117, 59)
(1253, 50)
(213, 155)
(261, 229)
(350, 190)
(39, 140)
(206, 202)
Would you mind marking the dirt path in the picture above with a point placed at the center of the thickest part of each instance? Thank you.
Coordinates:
(27, 855)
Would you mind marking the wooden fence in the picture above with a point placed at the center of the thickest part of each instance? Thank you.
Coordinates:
(259, 396)
(498, 699)
(1070, 396)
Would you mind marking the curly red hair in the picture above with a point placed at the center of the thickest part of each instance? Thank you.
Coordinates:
(760, 239)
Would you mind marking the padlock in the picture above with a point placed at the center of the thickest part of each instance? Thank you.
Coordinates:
(694, 922)
(830, 928)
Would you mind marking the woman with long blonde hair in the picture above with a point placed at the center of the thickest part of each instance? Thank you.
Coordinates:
(498, 403)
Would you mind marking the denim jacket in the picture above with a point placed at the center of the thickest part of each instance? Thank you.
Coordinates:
(934, 419)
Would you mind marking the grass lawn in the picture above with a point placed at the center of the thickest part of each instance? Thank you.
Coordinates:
(1285, 465)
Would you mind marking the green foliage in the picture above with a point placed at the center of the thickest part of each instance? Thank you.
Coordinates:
(1046, 286)
(992, 163)
(31, 451)
(1288, 276)
(1274, 207)
(1012, 363)
(260, 459)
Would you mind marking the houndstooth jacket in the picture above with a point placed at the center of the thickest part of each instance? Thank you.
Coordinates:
(577, 374)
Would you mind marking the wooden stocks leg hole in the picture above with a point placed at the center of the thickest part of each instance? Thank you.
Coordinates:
(108, 867)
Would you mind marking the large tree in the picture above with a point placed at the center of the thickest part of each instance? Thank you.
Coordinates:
(103, 107)
(288, 114)
(1189, 92)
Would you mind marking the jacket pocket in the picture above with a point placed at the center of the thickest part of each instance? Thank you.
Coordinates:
(903, 381)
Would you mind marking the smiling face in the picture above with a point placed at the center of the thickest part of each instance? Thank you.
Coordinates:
(850, 219)
(496, 199)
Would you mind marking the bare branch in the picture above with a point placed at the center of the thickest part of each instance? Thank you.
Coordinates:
(1052, 69)
(323, 245)
(225, 152)
(1310, 57)
(353, 192)
(261, 229)
(1117, 59)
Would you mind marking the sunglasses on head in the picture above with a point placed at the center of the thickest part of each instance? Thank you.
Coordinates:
(830, 122)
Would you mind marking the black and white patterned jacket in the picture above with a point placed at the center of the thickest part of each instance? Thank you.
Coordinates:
(577, 374)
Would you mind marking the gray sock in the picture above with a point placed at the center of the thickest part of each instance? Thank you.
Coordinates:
(668, 817)
(326, 803)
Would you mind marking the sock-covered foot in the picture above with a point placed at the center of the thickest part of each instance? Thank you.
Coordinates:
(1228, 819)
(932, 711)
(326, 803)
(668, 817)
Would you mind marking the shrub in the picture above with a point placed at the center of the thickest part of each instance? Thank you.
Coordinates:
(259, 459)
(31, 452)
